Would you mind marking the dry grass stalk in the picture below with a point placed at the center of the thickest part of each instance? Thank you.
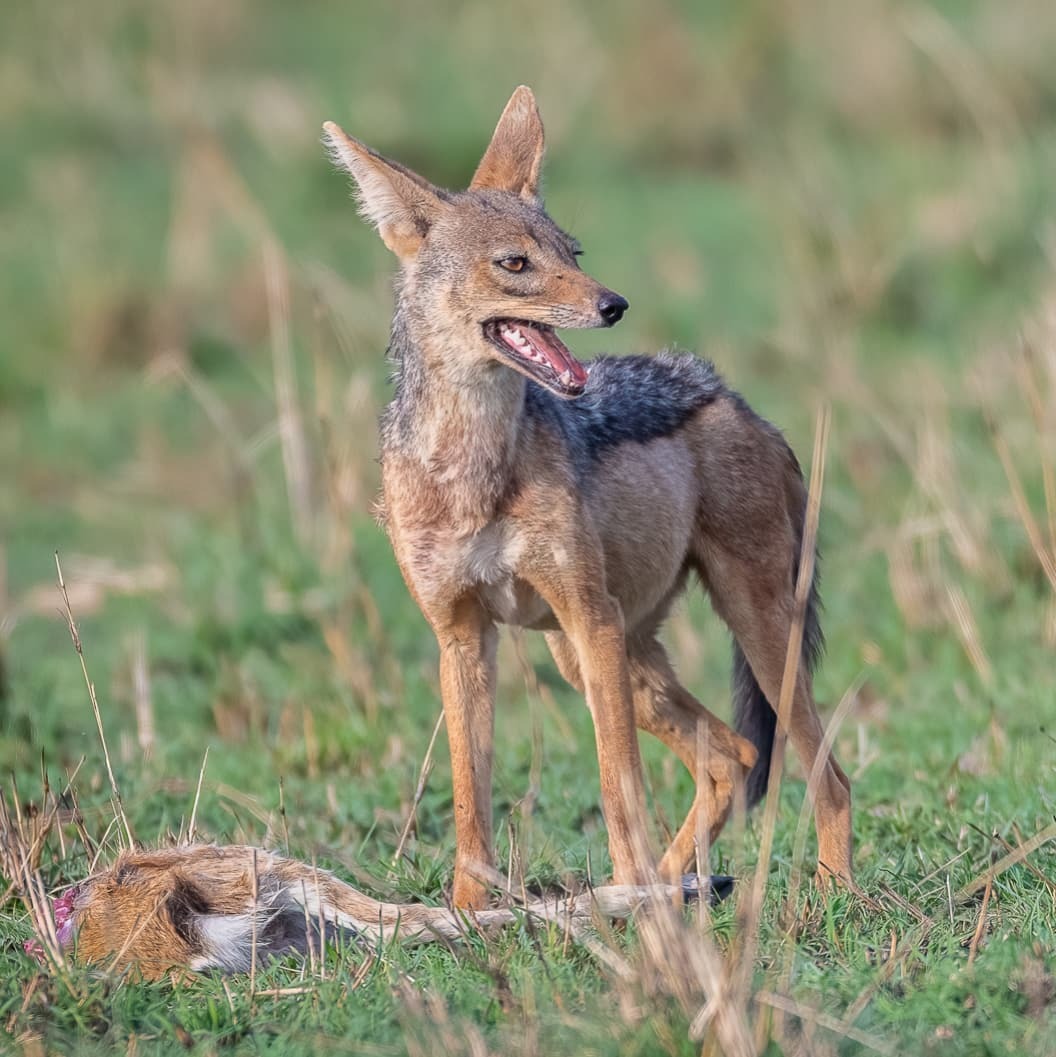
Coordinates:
(419, 792)
(141, 696)
(832, 730)
(962, 618)
(799, 843)
(702, 838)
(22, 839)
(354, 667)
(750, 908)
(291, 427)
(253, 925)
(977, 936)
(816, 1016)
(284, 992)
(674, 957)
(1014, 858)
(1045, 553)
(914, 592)
(341, 416)
(977, 91)
(296, 464)
(935, 474)
(212, 184)
(947, 527)
(1046, 558)
(133, 935)
(218, 414)
(192, 825)
(1043, 418)
(1047, 881)
(308, 926)
(119, 808)
(910, 942)
(916, 936)
(283, 818)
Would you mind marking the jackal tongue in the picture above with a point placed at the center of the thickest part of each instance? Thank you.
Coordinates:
(544, 347)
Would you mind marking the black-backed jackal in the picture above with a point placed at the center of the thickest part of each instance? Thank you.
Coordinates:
(523, 487)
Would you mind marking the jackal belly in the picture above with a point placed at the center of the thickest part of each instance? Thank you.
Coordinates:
(643, 500)
(512, 601)
(640, 588)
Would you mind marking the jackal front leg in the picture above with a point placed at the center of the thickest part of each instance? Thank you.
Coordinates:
(467, 683)
(593, 623)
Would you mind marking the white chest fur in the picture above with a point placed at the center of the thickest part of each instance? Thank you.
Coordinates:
(485, 562)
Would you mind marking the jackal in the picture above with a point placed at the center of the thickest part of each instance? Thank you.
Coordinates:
(523, 487)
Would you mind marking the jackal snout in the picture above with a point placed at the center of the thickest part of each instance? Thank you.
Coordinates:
(611, 308)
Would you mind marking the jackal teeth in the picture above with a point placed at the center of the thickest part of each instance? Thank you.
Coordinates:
(539, 352)
(516, 337)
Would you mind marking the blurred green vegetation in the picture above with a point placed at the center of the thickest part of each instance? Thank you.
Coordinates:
(844, 203)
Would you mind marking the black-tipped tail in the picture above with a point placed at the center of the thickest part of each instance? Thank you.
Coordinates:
(753, 716)
(754, 719)
(715, 888)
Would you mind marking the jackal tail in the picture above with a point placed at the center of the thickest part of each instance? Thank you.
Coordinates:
(754, 717)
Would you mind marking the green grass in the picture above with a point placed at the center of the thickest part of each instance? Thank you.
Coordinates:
(849, 204)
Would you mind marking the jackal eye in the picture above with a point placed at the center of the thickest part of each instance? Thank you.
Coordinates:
(513, 264)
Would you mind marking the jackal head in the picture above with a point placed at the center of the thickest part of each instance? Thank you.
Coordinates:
(485, 270)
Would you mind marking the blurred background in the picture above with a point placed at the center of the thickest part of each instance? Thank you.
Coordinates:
(842, 202)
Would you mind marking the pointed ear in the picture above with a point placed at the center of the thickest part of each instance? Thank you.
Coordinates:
(401, 204)
(514, 157)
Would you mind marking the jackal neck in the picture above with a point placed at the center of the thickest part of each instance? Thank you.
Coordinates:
(458, 417)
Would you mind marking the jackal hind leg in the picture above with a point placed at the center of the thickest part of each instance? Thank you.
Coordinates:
(756, 599)
(714, 755)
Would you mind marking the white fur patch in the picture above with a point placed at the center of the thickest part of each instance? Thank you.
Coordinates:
(489, 557)
(227, 942)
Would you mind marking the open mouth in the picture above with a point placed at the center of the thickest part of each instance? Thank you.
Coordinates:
(535, 350)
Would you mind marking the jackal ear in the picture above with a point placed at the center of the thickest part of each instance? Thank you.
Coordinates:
(401, 204)
(514, 157)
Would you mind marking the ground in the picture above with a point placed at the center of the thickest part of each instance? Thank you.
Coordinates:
(845, 206)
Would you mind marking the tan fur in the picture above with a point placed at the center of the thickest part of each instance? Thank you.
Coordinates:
(514, 158)
(488, 522)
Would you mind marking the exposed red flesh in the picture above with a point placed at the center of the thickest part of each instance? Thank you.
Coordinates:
(62, 908)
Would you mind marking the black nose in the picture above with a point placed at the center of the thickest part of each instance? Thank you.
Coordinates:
(611, 308)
